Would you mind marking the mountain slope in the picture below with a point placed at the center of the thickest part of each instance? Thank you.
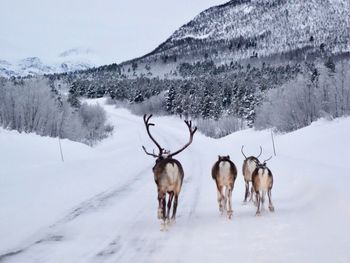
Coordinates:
(97, 207)
(244, 29)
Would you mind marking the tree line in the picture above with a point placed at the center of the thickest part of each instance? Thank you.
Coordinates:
(33, 105)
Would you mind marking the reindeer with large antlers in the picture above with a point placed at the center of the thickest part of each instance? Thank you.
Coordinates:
(168, 174)
(248, 168)
(262, 181)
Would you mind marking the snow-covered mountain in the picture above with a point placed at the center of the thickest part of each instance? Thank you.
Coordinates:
(69, 60)
(244, 29)
(235, 31)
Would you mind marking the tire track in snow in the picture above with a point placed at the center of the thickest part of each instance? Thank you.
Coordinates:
(127, 245)
(132, 245)
(188, 203)
(93, 204)
(140, 243)
(119, 246)
(191, 188)
(100, 200)
(142, 246)
(192, 196)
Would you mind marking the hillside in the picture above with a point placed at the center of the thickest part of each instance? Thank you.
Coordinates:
(243, 31)
(250, 29)
(100, 204)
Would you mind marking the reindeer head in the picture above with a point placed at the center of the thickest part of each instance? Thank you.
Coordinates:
(224, 158)
(162, 153)
(263, 164)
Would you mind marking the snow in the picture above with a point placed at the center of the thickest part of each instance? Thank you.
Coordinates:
(204, 36)
(100, 204)
(69, 60)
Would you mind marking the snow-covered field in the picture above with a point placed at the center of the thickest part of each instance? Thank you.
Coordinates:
(100, 205)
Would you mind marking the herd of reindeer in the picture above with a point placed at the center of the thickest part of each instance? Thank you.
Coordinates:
(169, 175)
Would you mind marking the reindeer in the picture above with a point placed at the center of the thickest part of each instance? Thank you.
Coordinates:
(262, 181)
(224, 173)
(168, 174)
(248, 168)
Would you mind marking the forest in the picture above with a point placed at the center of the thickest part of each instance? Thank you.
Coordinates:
(287, 96)
(220, 98)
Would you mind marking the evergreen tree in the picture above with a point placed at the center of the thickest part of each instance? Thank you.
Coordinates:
(208, 105)
(170, 99)
(227, 97)
(73, 97)
(138, 97)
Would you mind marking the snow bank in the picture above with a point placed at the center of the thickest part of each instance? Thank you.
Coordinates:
(100, 204)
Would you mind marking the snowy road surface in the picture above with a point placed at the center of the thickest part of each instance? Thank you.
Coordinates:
(100, 205)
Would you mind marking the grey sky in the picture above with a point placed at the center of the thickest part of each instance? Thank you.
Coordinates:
(116, 30)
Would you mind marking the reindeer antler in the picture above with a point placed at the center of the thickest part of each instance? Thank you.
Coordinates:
(267, 159)
(246, 156)
(192, 132)
(151, 154)
(243, 152)
(260, 152)
(148, 124)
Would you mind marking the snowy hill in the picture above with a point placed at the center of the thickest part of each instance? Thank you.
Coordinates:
(69, 60)
(245, 29)
(100, 204)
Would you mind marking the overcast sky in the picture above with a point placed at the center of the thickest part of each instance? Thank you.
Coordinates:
(115, 30)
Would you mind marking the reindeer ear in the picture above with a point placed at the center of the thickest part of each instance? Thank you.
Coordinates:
(219, 157)
(228, 157)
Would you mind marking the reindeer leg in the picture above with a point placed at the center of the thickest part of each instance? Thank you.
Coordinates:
(220, 199)
(224, 200)
(258, 201)
(263, 194)
(246, 195)
(161, 210)
(230, 211)
(173, 217)
(170, 200)
(161, 196)
(254, 194)
(251, 193)
(271, 207)
(164, 208)
(163, 226)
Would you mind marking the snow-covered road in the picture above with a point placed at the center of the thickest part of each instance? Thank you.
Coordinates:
(100, 205)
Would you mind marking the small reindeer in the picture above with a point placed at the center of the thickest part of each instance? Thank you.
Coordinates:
(248, 168)
(168, 174)
(224, 172)
(262, 180)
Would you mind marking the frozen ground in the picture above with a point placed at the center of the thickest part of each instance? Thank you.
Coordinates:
(100, 204)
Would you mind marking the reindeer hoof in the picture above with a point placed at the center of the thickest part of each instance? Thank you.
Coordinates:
(172, 221)
(229, 214)
(271, 208)
(258, 213)
(163, 226)
(160, 214)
